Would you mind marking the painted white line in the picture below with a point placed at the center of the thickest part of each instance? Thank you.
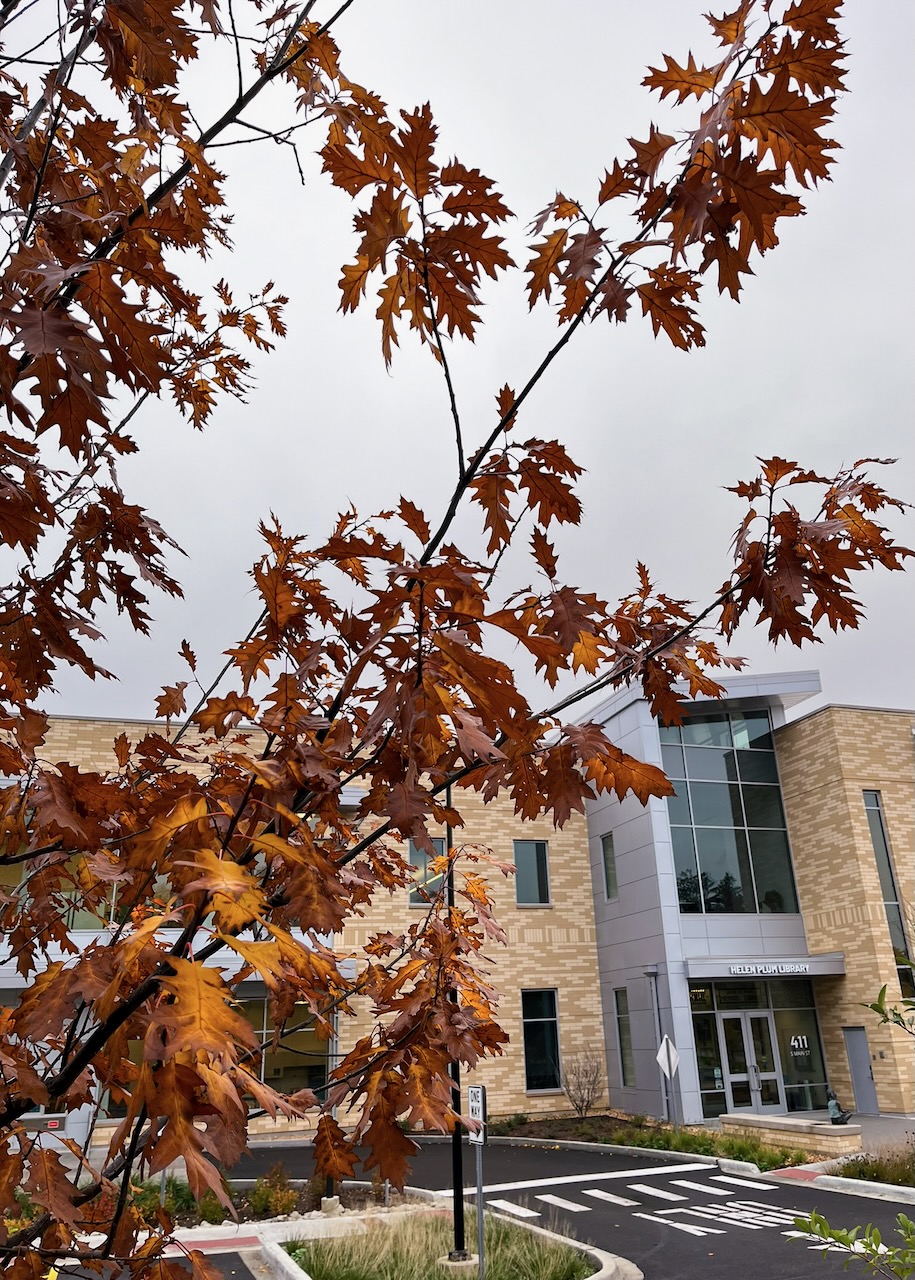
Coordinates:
(518, 1210)
(573, 1179)
(714, 1216)
(701, 1186)
(565, 1204)
(658, 1192)
(766, 1212)
(743, 1182)
(746, 1212)
(681, 1226)
(823, 1246)
(611, 1199)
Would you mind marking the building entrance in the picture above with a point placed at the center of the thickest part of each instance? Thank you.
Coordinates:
(758, 1046)
(752, 1076)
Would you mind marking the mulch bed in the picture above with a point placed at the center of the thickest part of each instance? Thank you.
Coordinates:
(603, 1127)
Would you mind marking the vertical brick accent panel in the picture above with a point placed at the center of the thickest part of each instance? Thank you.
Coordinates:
(826, 761)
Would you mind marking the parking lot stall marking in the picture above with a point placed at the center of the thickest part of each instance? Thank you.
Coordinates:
(609, 1197)
(681, 1226)
(518, 1210)
(658, 1192)
(569, 1205)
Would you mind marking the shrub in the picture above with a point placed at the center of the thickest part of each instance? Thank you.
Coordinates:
(706, 1143)
(209, 1209)
(283, 1200)
(179, 1198)
(508, 1124)
(583, 1081)
(26, 1208)
(892, 1164)
(259, 1197)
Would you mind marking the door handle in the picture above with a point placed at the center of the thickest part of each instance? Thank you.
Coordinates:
(755, 1082)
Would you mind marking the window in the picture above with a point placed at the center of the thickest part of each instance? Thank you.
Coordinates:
(299, 1059)
(428, 885)
(730, 842)
(541, 1040)
(532, 878)
(606, 844)
(624, 1036)
(874, 810)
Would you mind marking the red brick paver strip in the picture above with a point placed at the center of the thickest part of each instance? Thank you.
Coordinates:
(224, 1244)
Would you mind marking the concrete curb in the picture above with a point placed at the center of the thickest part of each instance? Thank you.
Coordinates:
(858, 1187)
(274, 1233)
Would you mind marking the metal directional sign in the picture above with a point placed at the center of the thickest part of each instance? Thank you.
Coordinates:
(476, 1110)
(668, 1057)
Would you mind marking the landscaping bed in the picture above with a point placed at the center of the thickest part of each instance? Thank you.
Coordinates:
(409, 1249)
(638, 1131)
(271, 1197)
(893, 1164)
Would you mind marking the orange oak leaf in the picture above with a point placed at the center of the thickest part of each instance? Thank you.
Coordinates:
(546, 264)
(685, 82)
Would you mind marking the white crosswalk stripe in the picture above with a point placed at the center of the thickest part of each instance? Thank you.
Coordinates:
(714, 1208)
(609, 1197)
(658, 1192)
(518, 1210)
(560, 1203)
(743, 1182)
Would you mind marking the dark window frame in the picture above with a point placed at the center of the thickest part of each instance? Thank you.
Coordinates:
(611, 892)
(541, 872)
(529, 1027)
(420, 893)
(623, 1021)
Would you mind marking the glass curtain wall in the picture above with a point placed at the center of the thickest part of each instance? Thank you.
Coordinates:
(727, 824)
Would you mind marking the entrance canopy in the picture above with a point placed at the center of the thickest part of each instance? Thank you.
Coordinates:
(826, 964)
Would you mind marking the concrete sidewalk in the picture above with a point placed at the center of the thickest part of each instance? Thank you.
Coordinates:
(877, 1132)
(885, 1130)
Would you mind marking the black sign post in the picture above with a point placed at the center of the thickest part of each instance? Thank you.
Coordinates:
(476, 1109)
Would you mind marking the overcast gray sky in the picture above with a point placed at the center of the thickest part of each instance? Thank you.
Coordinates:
(815, 364)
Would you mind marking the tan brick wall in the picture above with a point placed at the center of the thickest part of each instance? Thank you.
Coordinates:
(840, 1141)
(90, 743)
(547, 947)
(826, 761)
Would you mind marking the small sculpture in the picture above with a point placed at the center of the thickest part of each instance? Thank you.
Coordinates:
(836, 1114)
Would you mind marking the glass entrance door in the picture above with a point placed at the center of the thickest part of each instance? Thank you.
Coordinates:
(752, 1074)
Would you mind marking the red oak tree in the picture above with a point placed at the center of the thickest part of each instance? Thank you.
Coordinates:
(233, 830)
